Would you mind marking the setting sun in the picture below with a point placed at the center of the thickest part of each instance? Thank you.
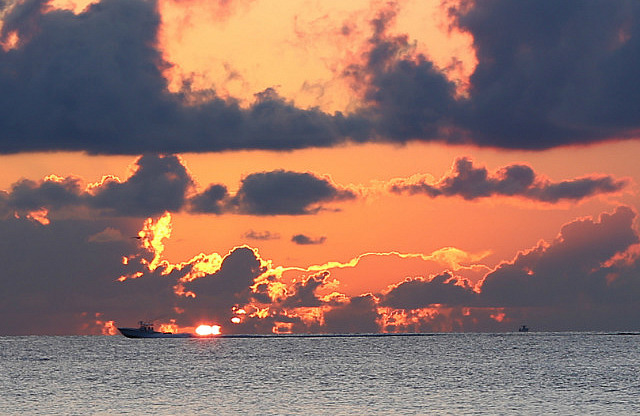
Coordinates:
(203, 330)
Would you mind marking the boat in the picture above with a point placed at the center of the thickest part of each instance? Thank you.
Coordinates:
(145, 330)
(523, 328)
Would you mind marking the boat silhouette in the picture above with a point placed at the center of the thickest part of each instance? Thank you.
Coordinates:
(145, 330)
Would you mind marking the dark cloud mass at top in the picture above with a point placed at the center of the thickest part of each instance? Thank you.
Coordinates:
(94, 82)
(549, 73)
(552, 73)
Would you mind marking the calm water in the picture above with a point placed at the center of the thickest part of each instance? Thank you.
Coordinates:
(534, 373)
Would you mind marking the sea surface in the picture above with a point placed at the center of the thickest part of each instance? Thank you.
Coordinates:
(449, 374)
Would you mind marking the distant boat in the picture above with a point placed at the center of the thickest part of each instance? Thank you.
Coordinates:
(523, 328)
(145, 330)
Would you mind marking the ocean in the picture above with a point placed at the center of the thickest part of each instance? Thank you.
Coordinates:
(442, 374)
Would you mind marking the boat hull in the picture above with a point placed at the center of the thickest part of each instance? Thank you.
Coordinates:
(137, 333)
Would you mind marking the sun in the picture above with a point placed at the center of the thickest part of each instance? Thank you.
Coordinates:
(204, 330)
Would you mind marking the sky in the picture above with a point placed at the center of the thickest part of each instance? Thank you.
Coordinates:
(319, 166)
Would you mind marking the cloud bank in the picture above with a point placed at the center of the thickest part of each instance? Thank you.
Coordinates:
(471, 183)
(547, 76)
(162, 183)
(585, 279)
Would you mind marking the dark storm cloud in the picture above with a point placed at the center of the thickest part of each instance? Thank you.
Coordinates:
(210, 201)
(162, 183)
(93, 82)
(283, 192)
(90, 82)
(358, 315)
(471, 182)
(304, 291)
(27, 195)
(552, 72)
(418, 293)
(217, 293)
(56, 277)
(408, 96)
(304, 240)
(549, 73)
(159, 184)
(571, 270)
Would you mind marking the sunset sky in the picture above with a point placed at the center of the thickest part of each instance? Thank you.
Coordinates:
(319, 165)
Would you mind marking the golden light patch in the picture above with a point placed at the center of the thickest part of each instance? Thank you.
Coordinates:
(205, 330)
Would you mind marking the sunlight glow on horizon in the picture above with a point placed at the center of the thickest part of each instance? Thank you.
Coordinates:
(204, 330)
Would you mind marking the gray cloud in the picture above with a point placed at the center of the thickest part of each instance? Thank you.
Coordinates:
(304, 291)
(93, 82)
(159, 184)
(407, 96)
(568, 271)
(283, 192)
(586, 279)
(57, 277)
(27, 195)
(358, 315)
(261, 235)
(219, 292)
(162, 183)
(417, 293)
(211, 201)
(303, 240)
(471, 182)
(549, 74)
(552, 73)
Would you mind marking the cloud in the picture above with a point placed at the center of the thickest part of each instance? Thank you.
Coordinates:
(358, 315)
(159, 184)
(407, 96)
(55, 275)
(94, 82)
(107, 235)
(585, 279)
(551, 73)
(283, 192)
(443, 289)
(304, 291)
(302, 240)
(471, 183)
(219, 291)
(261, 235)
(210, 201)
(569, 271)
(162, 183)
(84, 83)
(51, 193)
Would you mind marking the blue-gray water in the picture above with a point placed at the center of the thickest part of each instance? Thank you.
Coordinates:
(474, 374)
